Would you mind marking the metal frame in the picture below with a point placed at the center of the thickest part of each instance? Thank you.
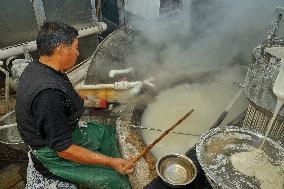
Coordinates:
(39, 12)
(274, 26)
(7, 77)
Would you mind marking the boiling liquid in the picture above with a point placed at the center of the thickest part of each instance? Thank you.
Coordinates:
(208, 100)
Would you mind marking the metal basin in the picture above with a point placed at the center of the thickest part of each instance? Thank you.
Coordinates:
(176, 170)
(215, 148)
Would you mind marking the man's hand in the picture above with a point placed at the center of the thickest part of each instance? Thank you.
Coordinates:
(82, 155)
(120, 164)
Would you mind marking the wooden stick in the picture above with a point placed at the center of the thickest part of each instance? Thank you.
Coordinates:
(158, 139)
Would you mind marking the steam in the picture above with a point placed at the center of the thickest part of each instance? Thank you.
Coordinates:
(205, 36)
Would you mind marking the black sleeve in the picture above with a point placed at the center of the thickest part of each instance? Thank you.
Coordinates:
(50, 113)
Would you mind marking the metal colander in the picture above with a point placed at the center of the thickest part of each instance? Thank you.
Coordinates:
(215, 148)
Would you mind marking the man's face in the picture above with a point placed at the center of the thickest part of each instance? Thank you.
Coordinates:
(70, 55)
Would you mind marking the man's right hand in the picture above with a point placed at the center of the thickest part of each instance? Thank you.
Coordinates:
(120, 166)
(82, 155)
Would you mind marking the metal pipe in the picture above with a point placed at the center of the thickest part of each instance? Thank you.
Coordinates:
(226, 111)
(121, 85)
(8, 126)
(162, 130)
(6, 116)
(17, 49)
(31, 46)
(6, 89)
(97, 28)
(112, 73)
(99, 86)
(39, 12)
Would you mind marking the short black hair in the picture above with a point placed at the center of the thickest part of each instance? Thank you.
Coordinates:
(52, 34)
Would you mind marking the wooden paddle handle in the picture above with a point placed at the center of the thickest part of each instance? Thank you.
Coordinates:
(134, 160)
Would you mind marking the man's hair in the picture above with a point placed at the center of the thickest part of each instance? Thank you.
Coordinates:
(52, 34)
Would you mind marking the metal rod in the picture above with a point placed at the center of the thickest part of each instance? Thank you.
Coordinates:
(274, 25)
(135, 159)
(225, 112)
(162, 130)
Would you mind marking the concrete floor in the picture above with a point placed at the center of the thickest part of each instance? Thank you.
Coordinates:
(13, 164)
(12, 175)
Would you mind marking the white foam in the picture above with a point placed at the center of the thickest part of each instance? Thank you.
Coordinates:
(256, 164)
(208, 101)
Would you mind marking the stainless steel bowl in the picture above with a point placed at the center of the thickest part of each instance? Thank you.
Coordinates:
(176, 170)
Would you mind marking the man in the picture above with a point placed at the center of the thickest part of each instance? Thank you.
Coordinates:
(48, 110)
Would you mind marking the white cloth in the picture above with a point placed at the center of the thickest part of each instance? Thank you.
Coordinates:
(36, 181)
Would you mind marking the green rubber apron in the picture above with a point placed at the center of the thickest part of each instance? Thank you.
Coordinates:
(95, 137)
